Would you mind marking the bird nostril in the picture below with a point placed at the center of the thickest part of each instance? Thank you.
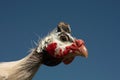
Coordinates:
(79, 42)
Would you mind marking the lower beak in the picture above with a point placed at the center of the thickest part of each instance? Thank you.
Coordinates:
(82, 51)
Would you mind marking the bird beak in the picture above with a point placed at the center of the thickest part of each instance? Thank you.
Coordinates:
(82, 51)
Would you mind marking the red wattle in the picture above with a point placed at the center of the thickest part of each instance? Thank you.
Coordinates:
(66, 51)
(51, 48)
(68, 60)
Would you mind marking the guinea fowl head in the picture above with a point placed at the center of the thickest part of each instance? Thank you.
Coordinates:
(61, 46)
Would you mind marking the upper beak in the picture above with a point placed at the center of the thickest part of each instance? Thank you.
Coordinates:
(81, 50)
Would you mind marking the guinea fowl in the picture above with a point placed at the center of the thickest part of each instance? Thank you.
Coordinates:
(58, 46)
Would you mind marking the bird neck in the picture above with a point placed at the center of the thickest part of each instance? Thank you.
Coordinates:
(33, 60)
(28, 66)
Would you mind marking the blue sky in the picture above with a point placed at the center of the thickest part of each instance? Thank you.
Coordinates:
(95, 21)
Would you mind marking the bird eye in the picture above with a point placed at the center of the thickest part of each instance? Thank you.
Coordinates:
(64, 38)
